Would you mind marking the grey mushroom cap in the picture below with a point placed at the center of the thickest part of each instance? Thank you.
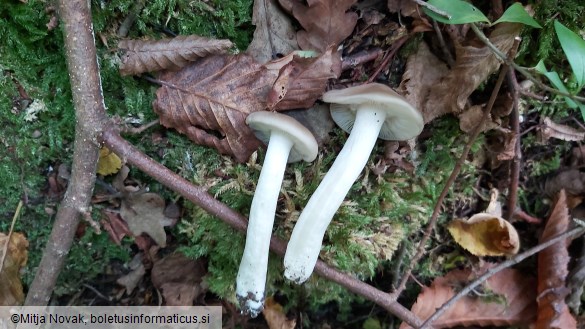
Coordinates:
(264, 123)
(402, 120)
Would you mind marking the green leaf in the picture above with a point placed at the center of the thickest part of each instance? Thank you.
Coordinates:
(517, 14)
(574, 48)
(461, 12)
(554, 78)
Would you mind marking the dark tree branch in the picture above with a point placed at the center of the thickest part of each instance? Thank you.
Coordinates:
(89, 115)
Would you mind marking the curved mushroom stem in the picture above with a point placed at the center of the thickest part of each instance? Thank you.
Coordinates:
(251, 279)
(307, 236)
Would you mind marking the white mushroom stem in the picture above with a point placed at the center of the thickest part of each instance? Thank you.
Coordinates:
(305, 243)
(251, 278)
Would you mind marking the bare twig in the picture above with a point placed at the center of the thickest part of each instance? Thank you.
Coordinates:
(6, 245)
(395, 46)
(431, 225)
(359, 58)
(206, 201)
(90, 116)
(508, 61)
(515, 165)
(444, 49)
(489, 273)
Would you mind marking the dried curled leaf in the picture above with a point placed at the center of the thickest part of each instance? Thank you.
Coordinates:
(517, 307)
(550, 129)
(141, 56)
(11, 292)
(325, 22)
(180, 279)
(553, 261)
(275, 316)
(209, 100)
(485, 235)
(274, 32)
(302, 80)
(473, 66)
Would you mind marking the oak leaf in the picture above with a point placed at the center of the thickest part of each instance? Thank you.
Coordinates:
(553, 261)
(209, 100)
(179, 278)
(141, 56)
(15, 258)
(325, 22)
(144, 213)
(303, 80)
(485, 235)
(518, 306)
(274, 32)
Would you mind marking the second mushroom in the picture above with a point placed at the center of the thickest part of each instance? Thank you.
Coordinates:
(368, 112)
(288, 141)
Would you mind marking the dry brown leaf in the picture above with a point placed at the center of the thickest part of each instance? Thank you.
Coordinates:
(113, 224)
(275, 316)
(485, 235)
(404, 7)
(518, 306)
(179, 278)
(144, 213)
(303, 80)
(423, 73)
(325, 22)
(16, 257)
(274, 32)
(550, 129)
(209, 100)
(473, 65)
(571, 180)
(141, 56)
(469, 119)
(553, 312)
(131, 280)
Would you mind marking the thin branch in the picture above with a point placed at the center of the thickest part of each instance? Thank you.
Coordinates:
(431, 225)
(489, 273)
(519, 68)
(89, 116)
(199, 196)
(515, 165)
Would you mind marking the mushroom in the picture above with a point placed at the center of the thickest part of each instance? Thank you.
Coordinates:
(367, 112)
(288, 141)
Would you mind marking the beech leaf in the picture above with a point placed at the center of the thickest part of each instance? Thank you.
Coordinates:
(274, 32)
(108, 163)
(209, 100)
(518, 306)
(179, 278)
(553, 261)
(325, 22)
(303, 80)
(485, 235)
(11, 292)
(141, 56)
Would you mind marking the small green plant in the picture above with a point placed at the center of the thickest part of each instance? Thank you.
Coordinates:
(461, 12)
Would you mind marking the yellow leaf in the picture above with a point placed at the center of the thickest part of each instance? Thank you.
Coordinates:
(10, 285)
(485, 235)
(109, 163)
